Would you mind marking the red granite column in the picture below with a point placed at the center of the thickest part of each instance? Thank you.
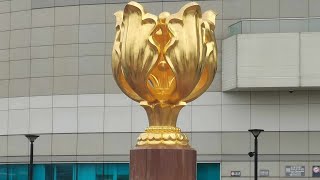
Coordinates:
(163, 164)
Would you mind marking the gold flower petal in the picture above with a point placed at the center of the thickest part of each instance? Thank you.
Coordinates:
(116, 55)
(138, 53)
(184, 51)
(210, 57)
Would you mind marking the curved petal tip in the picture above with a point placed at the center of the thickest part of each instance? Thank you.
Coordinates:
(210, 17)
(119, 17)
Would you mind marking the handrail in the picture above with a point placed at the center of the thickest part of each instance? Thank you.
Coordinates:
(276, 25)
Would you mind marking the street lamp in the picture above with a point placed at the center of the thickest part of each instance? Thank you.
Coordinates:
(256, 133)
(31, 138)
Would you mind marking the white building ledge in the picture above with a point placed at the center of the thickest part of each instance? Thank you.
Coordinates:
(271, 61)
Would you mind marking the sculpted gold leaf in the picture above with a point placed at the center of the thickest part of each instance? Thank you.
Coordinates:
(163, 63)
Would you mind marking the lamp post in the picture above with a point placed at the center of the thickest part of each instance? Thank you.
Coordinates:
(31, 138)
(256, 133)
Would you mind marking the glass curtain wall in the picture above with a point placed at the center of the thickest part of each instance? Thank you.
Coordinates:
(89, 171)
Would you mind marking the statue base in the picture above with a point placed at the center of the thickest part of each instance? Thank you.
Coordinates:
(163, 164)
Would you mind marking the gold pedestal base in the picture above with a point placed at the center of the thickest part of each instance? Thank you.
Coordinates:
(163, 135)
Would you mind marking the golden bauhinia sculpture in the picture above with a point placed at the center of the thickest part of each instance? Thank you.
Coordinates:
(163, 63)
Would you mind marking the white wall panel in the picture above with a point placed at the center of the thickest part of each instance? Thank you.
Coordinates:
(265, 117)
(18, 122)
(208, 98)
(42, 36)
(227, 167)
(273, 167)
(40, 101)
(310, 72)
(139, 119)
(184, 119)
(206, 118)
(20, 20)
(288, 143)
(264, 97)
(90, 14)
(268, 143)
(67, 15)
(294, 8)
(92, 49)
(18, 146)
(235, 117)
(236, 9)
(43, 17)
(40, 121)
(5, 36)
(64, 144)
(43, 145)
(41, 52)
(294, 117)
(4, 55)
(117, 119)
(92, 33)
(314, 146)
(229, 63)
(4, 117)
(236, 98)
(4, 147)
(65, 120)
(314, 97)
(65, 101)
(264, 61)
(265, 9)
(91, 100)
(19, 103)
(90, 144)
(90, 119)
(18, 5)
(4, 103)
(296, 97)
(203, 147)
(117, 143)
(117, 100)
(314, 116)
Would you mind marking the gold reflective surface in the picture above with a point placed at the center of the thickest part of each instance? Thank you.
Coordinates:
(164, 62)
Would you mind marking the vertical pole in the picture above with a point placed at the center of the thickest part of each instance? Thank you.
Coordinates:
(255, 158)
(31, 162)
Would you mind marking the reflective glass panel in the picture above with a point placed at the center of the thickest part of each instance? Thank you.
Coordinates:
(117, 171)
(42, 172)
(208, 171)
(17, 172)
(64, 172)
(90, 172)
(3, 172)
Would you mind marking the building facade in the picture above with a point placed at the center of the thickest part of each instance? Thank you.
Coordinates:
(56, 81)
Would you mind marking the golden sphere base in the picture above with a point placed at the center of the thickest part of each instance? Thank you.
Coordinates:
(163, 135)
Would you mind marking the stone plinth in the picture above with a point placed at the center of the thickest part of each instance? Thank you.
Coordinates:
(163, 164)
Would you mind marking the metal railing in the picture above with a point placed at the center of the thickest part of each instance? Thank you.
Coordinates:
(279, 25)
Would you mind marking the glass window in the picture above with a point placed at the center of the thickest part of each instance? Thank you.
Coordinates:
(3, 172)
(42, 172)
(17, 172)
(116, 171)
(208, 171)
(64, 172)
(90, 172)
